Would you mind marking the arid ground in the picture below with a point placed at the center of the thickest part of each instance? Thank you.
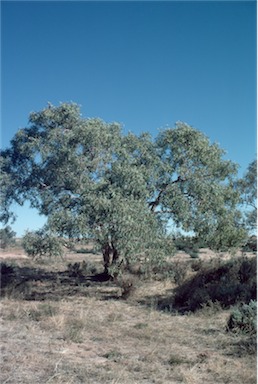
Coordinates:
(58, 326)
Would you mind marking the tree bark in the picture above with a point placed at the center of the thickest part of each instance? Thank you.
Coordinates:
(108, 251)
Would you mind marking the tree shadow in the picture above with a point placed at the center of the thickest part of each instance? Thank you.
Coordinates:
(164, 303)
(31, 283)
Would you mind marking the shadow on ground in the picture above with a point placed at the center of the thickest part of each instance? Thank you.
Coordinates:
(31, 283)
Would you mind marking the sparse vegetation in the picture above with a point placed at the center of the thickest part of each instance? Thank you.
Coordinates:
(127, 285)
(226, 282)
(244, 318)
(151, 316)
(70, 328)
(189, 245)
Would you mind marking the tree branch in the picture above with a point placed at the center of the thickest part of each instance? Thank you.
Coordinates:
(156, 202)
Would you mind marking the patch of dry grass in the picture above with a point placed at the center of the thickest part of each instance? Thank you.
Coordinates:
(91, 337)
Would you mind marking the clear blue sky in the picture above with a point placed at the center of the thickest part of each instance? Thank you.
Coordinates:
(143, 64)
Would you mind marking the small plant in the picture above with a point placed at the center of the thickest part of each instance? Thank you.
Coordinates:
(127, 285)
(176, 360)
(81, 269)
(73, 330)
(244, 318)
(88, 268)
(194, 254)
(196, 265)
(41, 311)
(179, 272)
(40, 243)
(74, 270)
(113, 355)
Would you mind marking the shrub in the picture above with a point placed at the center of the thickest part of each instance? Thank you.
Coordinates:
(179, 272)
(74, 270)
(7, 237)
(189, 245)
(227, 283)
(81, 269)
(74, 330)
(250, 245)
(127, 285)
(40, 243)
(244, 318)
(7, 274)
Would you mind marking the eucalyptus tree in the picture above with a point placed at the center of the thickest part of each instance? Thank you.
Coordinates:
(248, 189)
(93, 181)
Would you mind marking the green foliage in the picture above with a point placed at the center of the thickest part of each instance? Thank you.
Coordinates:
(7, 237)
(40, 243)
(248, 189)
(189, 245)
(227, 283)
(227, 233)
(250, 245)
(92, 181)
(244, 318)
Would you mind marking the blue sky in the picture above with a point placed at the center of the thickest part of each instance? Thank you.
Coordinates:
(143, 64)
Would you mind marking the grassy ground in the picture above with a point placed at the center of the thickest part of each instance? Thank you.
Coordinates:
(57, 328)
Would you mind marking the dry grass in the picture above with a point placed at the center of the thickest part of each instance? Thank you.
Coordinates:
(62, 331)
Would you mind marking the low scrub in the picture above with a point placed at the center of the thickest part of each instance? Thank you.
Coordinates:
(227, 283)
(7, 274)
(81, 269)
(244, 318)
(250, 245)
(189, 245)
(127, 284)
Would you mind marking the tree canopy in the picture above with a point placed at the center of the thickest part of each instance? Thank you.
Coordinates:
(248, 189)
(93, 181)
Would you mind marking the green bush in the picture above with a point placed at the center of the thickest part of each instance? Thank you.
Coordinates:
(189, 245)
(250, 245)
(40, 243)
(227, 283)
(244, 318)
(7, 237)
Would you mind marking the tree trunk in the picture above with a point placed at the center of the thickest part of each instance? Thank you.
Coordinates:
(115, 254)
(107, 251)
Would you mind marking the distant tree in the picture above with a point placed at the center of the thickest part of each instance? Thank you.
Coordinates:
(41, 243)
(92, 181)
(248, 189)
(7, 237)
